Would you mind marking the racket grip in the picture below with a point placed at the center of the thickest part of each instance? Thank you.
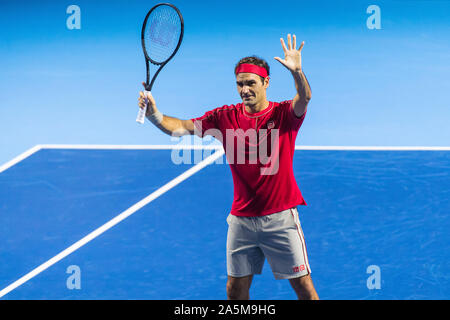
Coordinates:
(142, 111)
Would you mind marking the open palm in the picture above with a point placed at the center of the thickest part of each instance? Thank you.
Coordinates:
(292, 57)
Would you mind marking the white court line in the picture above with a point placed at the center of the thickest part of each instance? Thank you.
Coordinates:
(373, 148)
(112, 222)
(38, 147)
(131, 147)
(217, 147)
(207, 147)
(19, 158)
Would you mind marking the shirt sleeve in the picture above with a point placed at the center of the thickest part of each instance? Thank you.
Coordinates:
(292, 121)
(206, 122)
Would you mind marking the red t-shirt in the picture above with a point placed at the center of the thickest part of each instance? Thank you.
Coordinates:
(259, 148)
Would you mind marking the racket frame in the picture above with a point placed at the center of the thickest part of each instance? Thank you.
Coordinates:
(148, 83)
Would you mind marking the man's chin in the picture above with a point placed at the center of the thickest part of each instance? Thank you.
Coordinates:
(248, 102)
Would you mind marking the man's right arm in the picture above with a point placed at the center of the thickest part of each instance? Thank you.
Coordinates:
(169, 125)
(176, 127)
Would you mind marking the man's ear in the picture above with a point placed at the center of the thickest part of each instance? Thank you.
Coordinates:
(266, 82)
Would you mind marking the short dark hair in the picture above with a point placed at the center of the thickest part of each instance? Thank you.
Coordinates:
(256, 61)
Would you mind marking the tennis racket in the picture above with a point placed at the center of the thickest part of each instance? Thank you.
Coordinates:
(161, 37)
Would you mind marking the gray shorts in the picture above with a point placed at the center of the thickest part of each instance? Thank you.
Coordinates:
(277, 237)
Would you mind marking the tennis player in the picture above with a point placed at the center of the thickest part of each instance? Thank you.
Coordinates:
(263, 222)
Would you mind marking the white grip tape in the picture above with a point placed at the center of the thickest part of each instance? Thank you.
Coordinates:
(142, 111)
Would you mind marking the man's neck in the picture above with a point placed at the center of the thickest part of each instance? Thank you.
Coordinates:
(257, 107)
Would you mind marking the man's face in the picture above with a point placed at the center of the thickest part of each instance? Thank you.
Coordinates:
(251, 89)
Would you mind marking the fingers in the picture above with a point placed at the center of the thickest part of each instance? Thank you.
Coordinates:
(283, 45)
(146, 99)
(280, 61)
(289, 47)
(149, 97)
(292, 43)
(301, 46)
(141, 100)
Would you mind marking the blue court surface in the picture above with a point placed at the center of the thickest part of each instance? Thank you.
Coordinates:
(383, 210)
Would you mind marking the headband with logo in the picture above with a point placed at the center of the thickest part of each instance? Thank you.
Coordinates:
(251, 68)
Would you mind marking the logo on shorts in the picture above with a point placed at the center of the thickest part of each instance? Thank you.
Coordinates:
(299, 268)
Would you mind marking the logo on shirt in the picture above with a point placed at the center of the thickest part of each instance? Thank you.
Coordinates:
(270, 124)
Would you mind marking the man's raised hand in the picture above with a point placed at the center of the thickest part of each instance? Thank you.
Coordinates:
(292, 57)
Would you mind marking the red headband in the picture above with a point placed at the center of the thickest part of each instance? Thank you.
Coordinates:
(251, 68)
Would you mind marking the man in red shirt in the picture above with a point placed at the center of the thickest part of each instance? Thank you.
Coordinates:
(259, 141)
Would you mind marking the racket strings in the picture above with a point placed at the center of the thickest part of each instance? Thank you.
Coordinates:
(162, 33)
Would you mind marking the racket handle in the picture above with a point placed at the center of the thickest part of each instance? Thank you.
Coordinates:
(141, 115)
(142, 111)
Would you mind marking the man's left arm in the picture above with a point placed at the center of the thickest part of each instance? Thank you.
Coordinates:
(303, 95)
(293, 62)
